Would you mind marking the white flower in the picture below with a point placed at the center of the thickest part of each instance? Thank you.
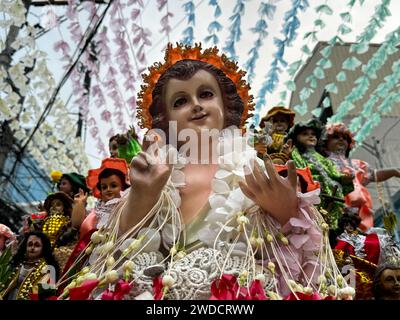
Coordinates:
(173, 250)
(242, 220)
(111, 276)
(219, 186)
(308, 290)
(224, 175)
(168, 281)
(216, 201)
(321, 279)
(90, 276)
(128, 266)
(107, 247)
(85, 270)
(110, 262)
(332, 290)
(96, 237)
(260, 277)
(271, 266)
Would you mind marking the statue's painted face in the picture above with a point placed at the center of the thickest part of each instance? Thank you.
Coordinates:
(307, 138)
(65, 186)
(57, 206)
(113, 147)
(34, 248)
(337, 143)
(390, 283)
(110, 187)
(195, 103)
(280, 123)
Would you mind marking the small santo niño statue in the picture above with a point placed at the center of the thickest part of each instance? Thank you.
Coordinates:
(336, 143)
(33, 266)
(387, 280)
(334, 185)
(277, 123)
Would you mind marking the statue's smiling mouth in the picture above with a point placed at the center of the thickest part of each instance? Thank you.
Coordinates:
(200, 116)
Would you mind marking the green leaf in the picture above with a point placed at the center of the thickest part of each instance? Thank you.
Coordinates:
(324, 9)
(313, 83)
(331, 87)
(346, 17)
(326, 103)
(319, 73)
(341, 76)
(293, 67)
(343, 29)
(359, 48)
(351, 3)
(290, 85)
(326, 52)
(324, 63)
(351, 63)
(305, 93)
(319, 23)
(316, 112)
(301, 109)
(282, 95)
(306, 49)
(310, 34)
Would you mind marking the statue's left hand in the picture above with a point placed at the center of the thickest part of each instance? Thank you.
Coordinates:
(274, 194)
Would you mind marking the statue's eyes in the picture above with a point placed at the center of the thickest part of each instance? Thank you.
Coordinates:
(180, 102)
(206, 94)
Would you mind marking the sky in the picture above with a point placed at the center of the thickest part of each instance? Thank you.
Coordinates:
(203, 16)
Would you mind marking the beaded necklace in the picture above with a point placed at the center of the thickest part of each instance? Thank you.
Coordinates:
(31, 280)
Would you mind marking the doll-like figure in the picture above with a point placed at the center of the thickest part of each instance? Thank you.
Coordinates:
(282, 119)
(337, 142)
(57, 225)
(34, 265)
(387, 281)
(375, 245)
(334, 185)
(58, 207)
(70, 183)
(189, 226)
(125, 146)
(107, 184)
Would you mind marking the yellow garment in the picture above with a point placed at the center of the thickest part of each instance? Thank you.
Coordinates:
(277, 143)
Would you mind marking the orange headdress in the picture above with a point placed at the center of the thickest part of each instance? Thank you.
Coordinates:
(181, 52)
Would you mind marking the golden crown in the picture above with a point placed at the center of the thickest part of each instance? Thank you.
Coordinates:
(183, 52)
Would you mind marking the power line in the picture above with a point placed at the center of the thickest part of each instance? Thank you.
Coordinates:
(50, 104)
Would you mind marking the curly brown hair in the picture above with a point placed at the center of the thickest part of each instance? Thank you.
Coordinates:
(184, 70)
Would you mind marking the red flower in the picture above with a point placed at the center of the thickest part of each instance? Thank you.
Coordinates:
(256, 291)
(303, 296)
(157, 288)
(227, 288)
(121, 289)
(82, 292)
